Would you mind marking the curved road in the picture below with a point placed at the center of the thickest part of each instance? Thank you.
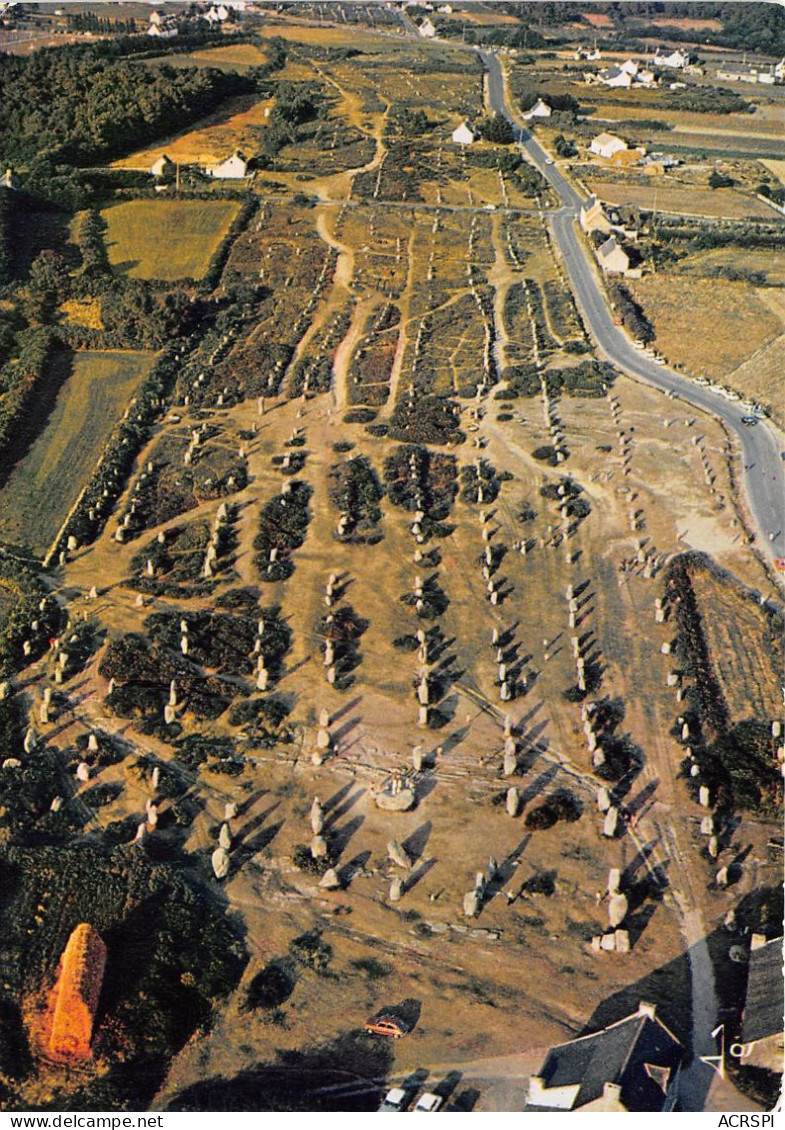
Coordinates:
(762, 475)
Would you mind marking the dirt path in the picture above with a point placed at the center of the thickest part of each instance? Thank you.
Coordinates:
(343, 354)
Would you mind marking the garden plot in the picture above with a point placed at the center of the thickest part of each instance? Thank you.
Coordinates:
(166, 239)
(724, 203)
(45, 484)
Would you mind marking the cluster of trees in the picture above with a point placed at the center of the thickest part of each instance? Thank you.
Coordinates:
(429, 419)
(81, 107)
(497, 130)
(630, 312)
(6, 230)
(23, 593)
(434, 485)
(22, 383)
(356, 491)
(283, 526)
(295, 104)
(142, 674)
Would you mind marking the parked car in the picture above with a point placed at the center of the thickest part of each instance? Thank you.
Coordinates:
(428, 1102)
(395, 1100)
(385, 1024)
(750, 421)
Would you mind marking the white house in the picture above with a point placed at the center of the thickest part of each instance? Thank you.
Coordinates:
(217, 15)
(540, 109)
(613, 258)
(464, 135)
(779, 71)
(676, 60)
(606, 144)
(161, 166)
(233, 168)
(156, 18)
(613, 76)
(593, 217)
(166, 30)
(426, 29)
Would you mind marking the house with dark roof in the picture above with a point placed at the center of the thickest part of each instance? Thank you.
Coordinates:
(762, 1019)
(632, 1065)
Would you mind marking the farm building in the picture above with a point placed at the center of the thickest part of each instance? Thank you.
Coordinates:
(426, 29)
(464, 135)
(606, 145)
(166, 30)
(613, 76)
(761, 1031)
(233, 168)
(540, 109)
(632, 1065)
(162, 166)
(613, 258)
(77, 991)
(748, 72)
(217, 15)
(590, 56)
(675, 60)
(593, 217)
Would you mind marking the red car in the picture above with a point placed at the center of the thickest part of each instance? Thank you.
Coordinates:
(384, 1024)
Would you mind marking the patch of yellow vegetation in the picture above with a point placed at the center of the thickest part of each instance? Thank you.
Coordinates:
(233, 127)
(710, 326)
(83, 312)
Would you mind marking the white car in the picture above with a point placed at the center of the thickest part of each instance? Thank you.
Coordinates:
(549, 160)
(395, 1100)
(659, 361)
(429, 1102)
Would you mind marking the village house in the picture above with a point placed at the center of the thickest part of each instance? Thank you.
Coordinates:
(623, 76)
(613, 259)
(606, 144)
(540, 109)
(76, 994)
(590, 56)
(162, 166)
(625, 158)
(752, 72)
(761, 1031)
(632, 1065)
(675, 60)
(233, 168)
(166, 30)
(426, 29)
(464, 134)
(217, 15)
(593, 218)
(8, 180)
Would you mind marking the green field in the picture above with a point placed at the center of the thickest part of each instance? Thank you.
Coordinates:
(44, 485)
(166, 239)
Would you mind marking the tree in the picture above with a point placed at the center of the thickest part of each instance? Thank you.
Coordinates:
(497, 130)
(720, 180)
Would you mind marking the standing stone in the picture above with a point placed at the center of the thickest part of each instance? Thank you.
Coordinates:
(396, 889)
(220, 862)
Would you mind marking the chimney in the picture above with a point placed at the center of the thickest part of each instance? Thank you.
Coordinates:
(536, 1087)
(646, 1009)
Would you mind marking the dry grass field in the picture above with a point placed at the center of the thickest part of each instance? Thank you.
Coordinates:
(710, 326)
(166, 239)
(747, 660)
(724, 203)
(236, 57)
(46, 482)
(234, 126)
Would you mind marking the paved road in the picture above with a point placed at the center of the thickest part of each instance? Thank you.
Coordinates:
(762, 475)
